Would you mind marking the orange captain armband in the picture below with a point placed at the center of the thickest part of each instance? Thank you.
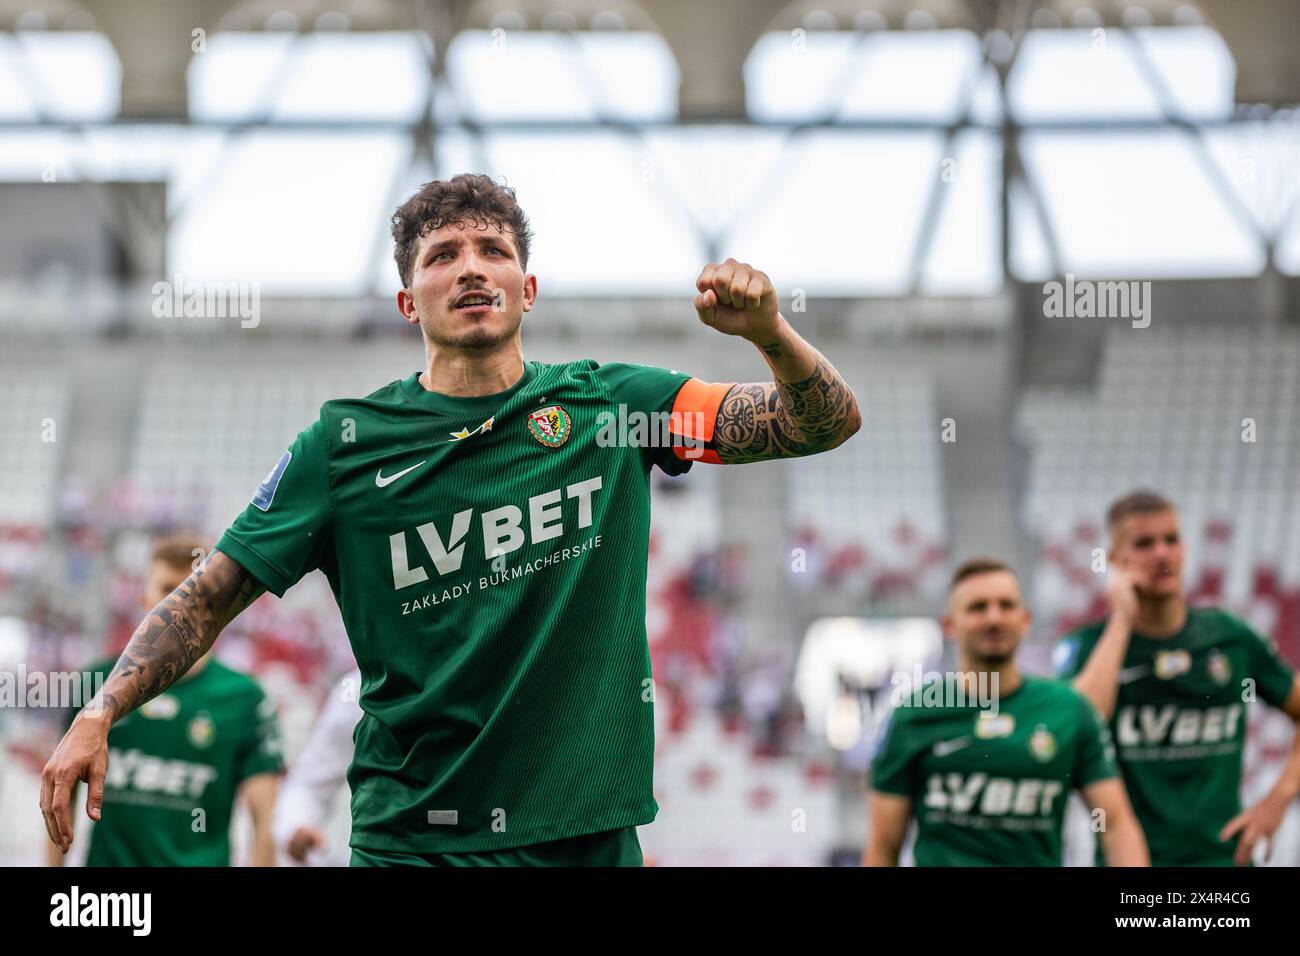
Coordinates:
(694, 413)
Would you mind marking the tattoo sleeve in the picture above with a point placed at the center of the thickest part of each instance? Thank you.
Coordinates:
(761, 421)
(178, 632)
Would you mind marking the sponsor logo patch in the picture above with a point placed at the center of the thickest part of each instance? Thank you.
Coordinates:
(990, 727)
(162, 707)
(1170, 664)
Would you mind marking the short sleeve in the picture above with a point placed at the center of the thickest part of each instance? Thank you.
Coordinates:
(1096, 755)
(285, 531)
(262, 751)
(686, 405)
(894, 767)
(1068, 656)
(1273, 676)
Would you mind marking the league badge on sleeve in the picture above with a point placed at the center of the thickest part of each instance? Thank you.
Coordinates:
(550, 425)
(266, 490)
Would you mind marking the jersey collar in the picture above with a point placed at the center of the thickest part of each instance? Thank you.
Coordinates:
(467, 407)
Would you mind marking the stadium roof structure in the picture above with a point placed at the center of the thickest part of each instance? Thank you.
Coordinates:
(710, 41)
(962, 77)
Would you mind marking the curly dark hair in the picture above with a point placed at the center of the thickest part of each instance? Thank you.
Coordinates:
(468, 198)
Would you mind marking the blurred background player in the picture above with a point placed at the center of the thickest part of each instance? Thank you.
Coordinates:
(988, 785)
(1174, 682)
(302, 810)
(178, 764)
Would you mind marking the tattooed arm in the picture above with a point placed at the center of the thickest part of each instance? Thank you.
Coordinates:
(171, 638)
(808, 409)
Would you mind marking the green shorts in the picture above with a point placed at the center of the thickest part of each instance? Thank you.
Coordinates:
(610, 848)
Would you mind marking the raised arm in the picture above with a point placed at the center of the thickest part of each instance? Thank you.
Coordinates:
(171, 638)
(807, 409)
(1098, 679)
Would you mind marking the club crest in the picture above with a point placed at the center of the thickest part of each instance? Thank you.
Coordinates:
(1042, 744)
(1220, 667)
(202, 731)
(550, 425)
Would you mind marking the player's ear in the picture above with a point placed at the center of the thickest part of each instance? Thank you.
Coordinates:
(945, 622)
(530, 291)
(406, 306)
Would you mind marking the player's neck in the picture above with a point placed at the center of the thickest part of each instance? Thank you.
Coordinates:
(1002, 679)
(1161, 617)
(466, 374)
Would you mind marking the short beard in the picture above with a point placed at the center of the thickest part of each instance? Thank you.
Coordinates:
(477, 339)
(987, 661)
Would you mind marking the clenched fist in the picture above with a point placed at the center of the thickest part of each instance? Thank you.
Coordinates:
(737, 299)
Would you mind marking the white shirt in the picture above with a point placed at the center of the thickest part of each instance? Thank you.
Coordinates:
(319, 772)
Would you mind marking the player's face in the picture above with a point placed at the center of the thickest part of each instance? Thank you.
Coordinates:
(986, 617)
(459, 260)
(161, 581)
(1150, 547)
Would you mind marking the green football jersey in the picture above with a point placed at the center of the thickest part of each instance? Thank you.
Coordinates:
(175, 766)
(488, 556)
(1180, 726)
(991, 789)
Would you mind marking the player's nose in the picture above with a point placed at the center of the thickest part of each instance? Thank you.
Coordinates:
(472, 268)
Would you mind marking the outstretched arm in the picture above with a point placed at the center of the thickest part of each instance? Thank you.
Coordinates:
(171, 638)
(807, 409)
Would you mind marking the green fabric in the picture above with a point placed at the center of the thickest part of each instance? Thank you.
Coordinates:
(175, 766)
(494, 596)
(1180, 726)
(992, 791)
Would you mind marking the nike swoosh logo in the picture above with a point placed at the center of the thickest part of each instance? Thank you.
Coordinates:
(382, 482)
(1129, 674)
(945, 747)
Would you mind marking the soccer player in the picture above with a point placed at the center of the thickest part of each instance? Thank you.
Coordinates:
(317, 775)
(1174, 682)
(484, 523)
(178, 763)
(986, 764)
